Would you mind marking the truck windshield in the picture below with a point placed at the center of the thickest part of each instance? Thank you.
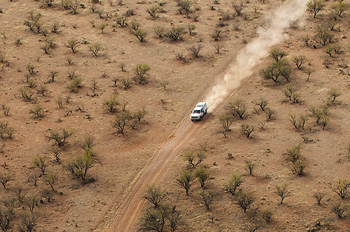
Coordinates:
(196, 111)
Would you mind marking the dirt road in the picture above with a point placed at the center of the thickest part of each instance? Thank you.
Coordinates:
(129, 210)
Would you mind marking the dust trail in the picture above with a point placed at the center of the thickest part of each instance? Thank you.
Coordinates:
(256, 50)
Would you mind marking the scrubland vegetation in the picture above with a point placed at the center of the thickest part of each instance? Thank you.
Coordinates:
(91, 89)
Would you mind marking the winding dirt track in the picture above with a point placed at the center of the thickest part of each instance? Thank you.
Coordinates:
(129, 210)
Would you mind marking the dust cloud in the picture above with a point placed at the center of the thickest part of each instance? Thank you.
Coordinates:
(251, 55)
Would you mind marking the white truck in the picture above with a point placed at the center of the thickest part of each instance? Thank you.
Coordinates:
(199, 111)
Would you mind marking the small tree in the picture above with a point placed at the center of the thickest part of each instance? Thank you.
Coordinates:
(283, 192)
(314, 6)
(277, 54)
(332, 95)
(5, 178)
(5, 219)
(72, 44)
(194, 158)
(95, 48)
(140, 71)
(319, 196)
(51, 179)
(250, 166)
(154, 195)
(238, 6)
(28, 221)
(267, 215)
(340, 7)
(202, 174)
(140, 34)
(153, 11)
(299, 61)
(226, 121)
(323, 36)
(37, 112)
(207, 198)
(121, 121)
(155, 219)
(56, 152)
(195, 50)
(247, 130)
(341, 187)
(80, 166)
(60, 137)
(237, 108)
(245, 199)
(175, 220)
(234, 182)
(291, 93)
(185, 180)
(32, 202)
(339, 209)
(40, 163)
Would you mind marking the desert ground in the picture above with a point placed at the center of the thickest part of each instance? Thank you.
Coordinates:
(95, 102)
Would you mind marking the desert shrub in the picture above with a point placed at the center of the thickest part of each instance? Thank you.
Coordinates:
(55, 27)
(80, 165)
(154, 219)
(217, 34)
(28, 221)
(233, 183)
(298, 167)
(244, 199)
(226, 121)
(341, 187)
(31, 202)
(308, 71)
(121, 120)
(207, 198)
(238, 7)
(185, 6)
(217, 48)
(247, 130)
(140, 70)
(194, 158)
(291, 93)
(277, 54)
(274, 70)
(155, 195)
(87, 143)
(55, 150)
(140, 34)
(5, 178)
(159, 31)
(191, 27)
(40, 163)
(250, 167)
(51, 179)
(332, 95)
(195, 50)
(267, 215)
(6, 109)
(37, 112)
(294, 153)
(70, 5)
(318, 196)
(237, 108)
(298, 122)
(153, 10)
(299, 61)
(283, 192)
(75, 85)
(185, 180)
(139, 115)
(46, 194)
(315, 6)
(339, 209)
(340, 7)
(6, 217)
(95, 48)
(72, 44)
(6, 132)
(134, 24)
(202, 175)
(121, 20)
(174, 33)
(126, 83)
(102, 27)
(60, 137)
(320, 113)
(323, 36)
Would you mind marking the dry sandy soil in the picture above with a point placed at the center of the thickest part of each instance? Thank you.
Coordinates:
(122, 158)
